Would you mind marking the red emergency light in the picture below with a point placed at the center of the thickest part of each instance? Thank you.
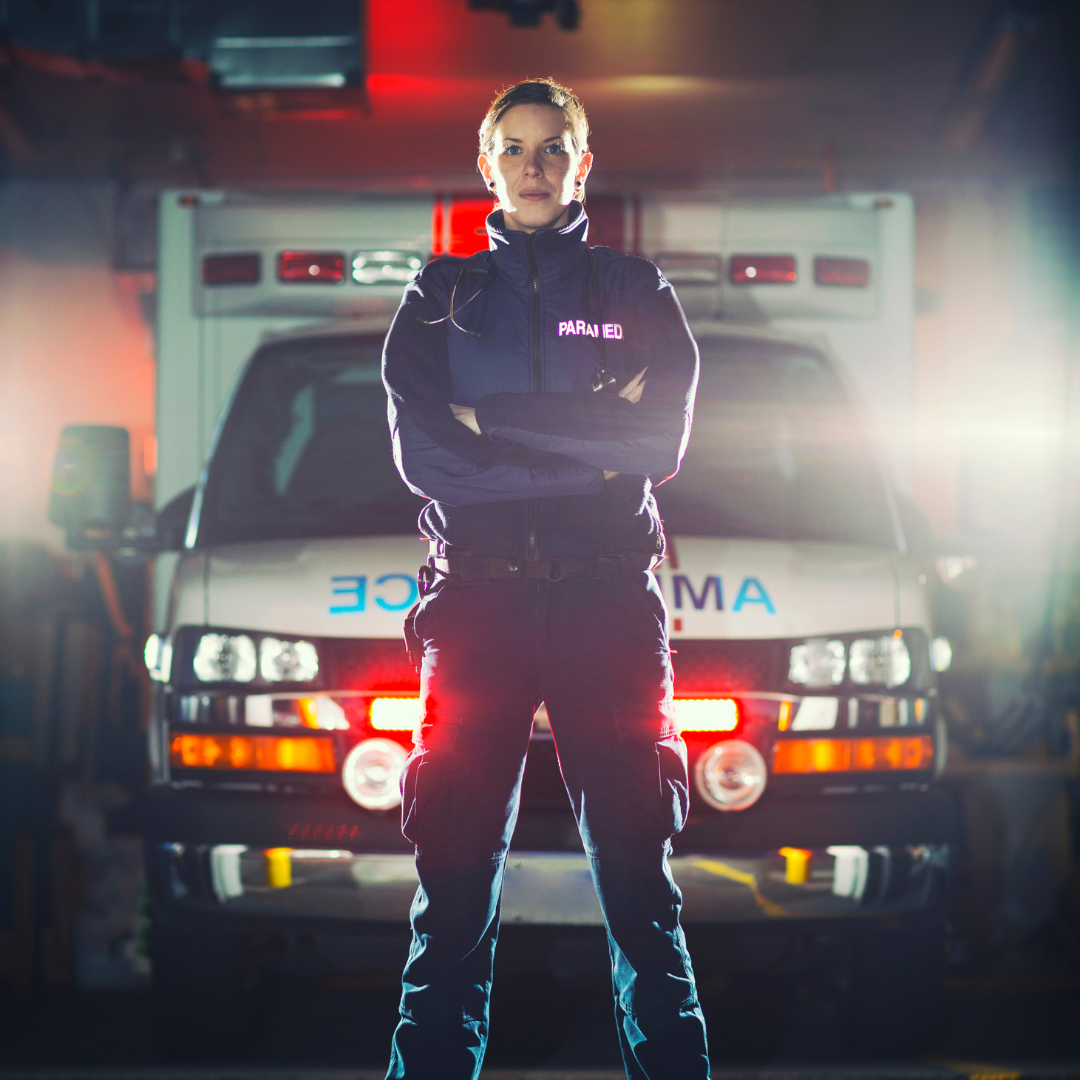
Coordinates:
(762, 270)
(316, 267)
(846, 273)
(459, 226)
(243, 268)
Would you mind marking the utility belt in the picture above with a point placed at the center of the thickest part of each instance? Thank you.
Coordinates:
(492, 568)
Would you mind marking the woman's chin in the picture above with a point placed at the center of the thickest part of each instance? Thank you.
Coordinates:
(530, 216)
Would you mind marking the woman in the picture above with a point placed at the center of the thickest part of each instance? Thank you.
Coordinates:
(537, 392)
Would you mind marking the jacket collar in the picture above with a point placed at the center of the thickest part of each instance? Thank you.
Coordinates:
(556, 251)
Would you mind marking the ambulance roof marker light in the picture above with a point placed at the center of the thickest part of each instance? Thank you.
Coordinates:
(311, 267)
(843, 273)
(762, 270)
(232, 268)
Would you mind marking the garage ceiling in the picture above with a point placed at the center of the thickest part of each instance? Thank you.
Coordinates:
(782, 93)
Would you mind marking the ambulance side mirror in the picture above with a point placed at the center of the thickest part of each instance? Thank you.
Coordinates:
(90, 497)
(172, 521)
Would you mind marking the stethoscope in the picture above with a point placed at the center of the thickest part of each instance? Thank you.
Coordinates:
(603, 382)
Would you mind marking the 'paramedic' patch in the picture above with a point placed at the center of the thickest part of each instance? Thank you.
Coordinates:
(581, 328)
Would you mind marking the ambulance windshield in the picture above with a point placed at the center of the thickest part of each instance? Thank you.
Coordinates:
(305, 451)
(777, 452)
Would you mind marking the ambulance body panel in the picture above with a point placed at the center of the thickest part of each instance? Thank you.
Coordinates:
(790, 627)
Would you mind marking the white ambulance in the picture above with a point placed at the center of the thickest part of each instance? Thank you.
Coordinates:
(802, 645)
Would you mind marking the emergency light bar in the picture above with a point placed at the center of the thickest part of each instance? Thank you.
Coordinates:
(846, 273)
(316, 267)
(264, 752)
(239, 269)
(762, 270)
(689, 268)
(385, 267)
(880, 754)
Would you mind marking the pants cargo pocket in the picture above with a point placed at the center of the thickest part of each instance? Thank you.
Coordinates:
(429, 784)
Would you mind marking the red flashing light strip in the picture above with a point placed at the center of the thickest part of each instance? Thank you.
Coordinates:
(762, 270)
(315, 267)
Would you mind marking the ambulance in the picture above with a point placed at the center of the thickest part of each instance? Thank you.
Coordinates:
(286, 552)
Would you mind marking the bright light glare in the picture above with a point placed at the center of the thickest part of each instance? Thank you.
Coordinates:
(323, 712)
(941, 654)
(225, 658)
(288, 661)
(158, 656)
(706, 714)
(817, 663)
(395, 713)
(377, 267)
(883, 660)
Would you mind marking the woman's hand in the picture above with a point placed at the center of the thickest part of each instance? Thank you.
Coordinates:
(463, 414)
(632, 392)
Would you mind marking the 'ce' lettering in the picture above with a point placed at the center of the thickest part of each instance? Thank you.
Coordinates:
(353, 591)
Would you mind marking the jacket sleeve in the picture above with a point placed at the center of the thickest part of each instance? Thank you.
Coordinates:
(436, 455)
(648, 437)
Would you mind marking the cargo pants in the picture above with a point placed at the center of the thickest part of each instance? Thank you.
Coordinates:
(595, 650)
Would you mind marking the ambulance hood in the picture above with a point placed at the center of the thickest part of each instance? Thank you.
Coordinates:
(746, 589)
(362, 587)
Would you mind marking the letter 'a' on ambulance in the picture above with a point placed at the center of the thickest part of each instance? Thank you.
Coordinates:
(284, 706)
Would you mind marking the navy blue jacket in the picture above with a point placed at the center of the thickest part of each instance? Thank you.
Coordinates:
(529, 333)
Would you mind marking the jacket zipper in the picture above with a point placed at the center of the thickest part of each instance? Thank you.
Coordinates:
(537, 375)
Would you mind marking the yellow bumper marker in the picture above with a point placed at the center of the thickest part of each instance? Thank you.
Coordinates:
(796, 865)
(278, 867)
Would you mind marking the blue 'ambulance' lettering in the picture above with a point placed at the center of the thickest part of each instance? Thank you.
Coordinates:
(355, 588)
(758, 597)
(681, 581)
(411, 592)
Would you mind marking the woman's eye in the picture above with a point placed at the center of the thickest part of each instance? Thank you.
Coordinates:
(555, 148)
(512, 150)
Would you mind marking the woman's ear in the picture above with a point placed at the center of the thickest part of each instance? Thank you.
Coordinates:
(583, 169)
(484, 166)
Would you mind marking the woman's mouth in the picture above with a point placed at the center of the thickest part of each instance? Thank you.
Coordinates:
(534, 195)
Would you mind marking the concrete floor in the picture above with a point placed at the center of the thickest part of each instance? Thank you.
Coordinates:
(1016, 1028)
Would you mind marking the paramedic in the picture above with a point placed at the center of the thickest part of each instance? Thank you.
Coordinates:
(537, 393)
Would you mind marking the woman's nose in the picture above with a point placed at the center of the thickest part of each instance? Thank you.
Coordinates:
(534, 166)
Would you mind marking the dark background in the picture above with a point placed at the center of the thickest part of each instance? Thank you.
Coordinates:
(970, 105)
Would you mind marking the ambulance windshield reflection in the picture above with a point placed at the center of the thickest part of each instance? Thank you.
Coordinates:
(778, 452)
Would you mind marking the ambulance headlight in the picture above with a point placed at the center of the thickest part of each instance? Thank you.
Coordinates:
(158, 656)
(372, 773)
(224, 658)
(817, 663)
(883, 661)
(940, 654)
(287, 661)
(731, 775)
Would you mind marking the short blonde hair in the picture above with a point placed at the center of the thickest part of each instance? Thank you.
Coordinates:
(537, 92)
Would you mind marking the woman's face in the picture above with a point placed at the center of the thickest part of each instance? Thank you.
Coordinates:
(535, 168)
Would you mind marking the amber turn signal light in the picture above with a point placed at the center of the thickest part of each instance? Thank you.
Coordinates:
(266, 752)
(853, 755)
